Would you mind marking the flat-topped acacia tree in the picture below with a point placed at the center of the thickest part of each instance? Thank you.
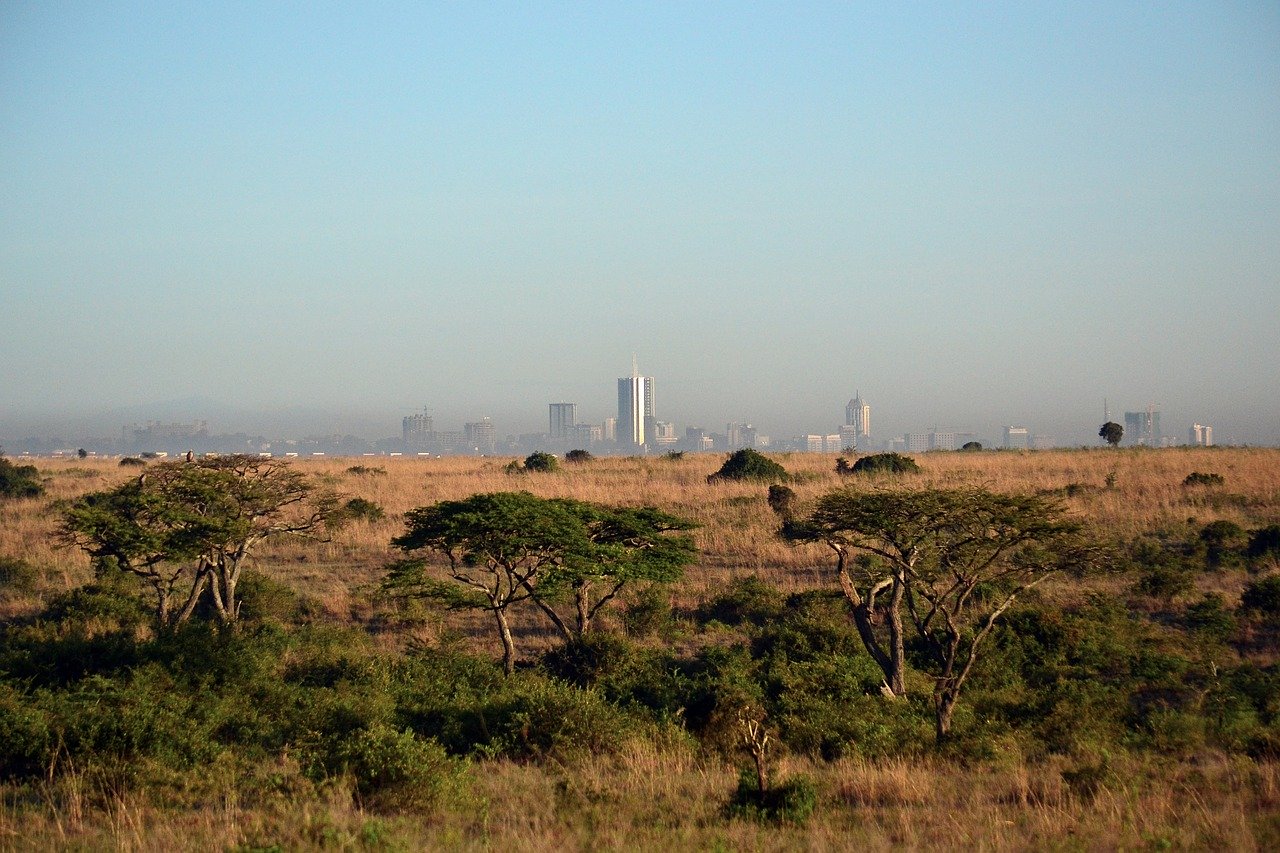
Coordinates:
(952, 560)
(184, 527)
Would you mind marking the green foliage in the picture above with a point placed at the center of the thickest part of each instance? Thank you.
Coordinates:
(747, 600)
(540, 461)
(360, 509)
(1111, 432)
(1264, 543)
(1210, 618)
(791, 801)
(886, 463)
(19, 481)
(1196, 478)
(1262, 597)
(579, 455)
(17, 577)
(367, 471)
(648, 613)
(747, 464)
(132, 462)
(393, 770)
(1224, 543)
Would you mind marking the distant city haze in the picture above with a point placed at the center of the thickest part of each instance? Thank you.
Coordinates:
(307, 220)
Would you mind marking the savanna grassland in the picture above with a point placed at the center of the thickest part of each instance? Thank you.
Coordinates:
(1132, 705)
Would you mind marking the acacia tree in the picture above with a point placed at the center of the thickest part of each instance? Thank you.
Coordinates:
(184, 526)
(895, 530)
(623, 545)
(957, 559)
(989, 549)
(499, 547)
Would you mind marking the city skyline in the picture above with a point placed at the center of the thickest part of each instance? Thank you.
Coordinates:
(324, 216)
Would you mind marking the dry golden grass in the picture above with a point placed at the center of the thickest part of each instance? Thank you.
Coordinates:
(736, 535)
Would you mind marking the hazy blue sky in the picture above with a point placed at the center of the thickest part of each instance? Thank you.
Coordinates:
(977, 214)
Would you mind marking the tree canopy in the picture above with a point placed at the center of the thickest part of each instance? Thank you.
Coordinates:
(1111, 432)
(747, 464)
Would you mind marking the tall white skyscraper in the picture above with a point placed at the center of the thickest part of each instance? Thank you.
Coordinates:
(635, 408)
(858, 415)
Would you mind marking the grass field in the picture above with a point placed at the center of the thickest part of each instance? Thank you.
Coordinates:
(1171, 778)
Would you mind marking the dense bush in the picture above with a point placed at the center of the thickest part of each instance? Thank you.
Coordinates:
(1265, 543)
(747, 464)
(886, 463)
(1224, 543)
(361, 509)
(19, 481)
(539, 461)
(791, 801)
(1196, 478)
(578, 456)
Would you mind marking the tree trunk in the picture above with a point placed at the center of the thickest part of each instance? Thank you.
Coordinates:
(897, 652)
(582, 598)
(944, 705)
(508, 644)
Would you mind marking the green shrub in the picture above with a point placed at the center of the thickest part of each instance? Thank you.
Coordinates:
(1262, 597)
(747, 464)
(748, 599)
(1196, 478)
(540, 461)
(17, 576)
(791, 801)
(588, 658)
(1265, 542)
(1224, 543)
(578, 456)
(886, 463)
(392, 769)
(1210, 618)
(19, 481)
(132, 462)
(361, 509)
(648, 613)
(367, 471)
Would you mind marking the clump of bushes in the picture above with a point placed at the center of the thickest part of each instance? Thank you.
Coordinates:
(366, 471)
(885, 463)
(1265, 542)
(19, 481)
(578, 455)
(361, 509)
(791, 801)
(747, 464)
(536, 461)
(132, 462)
(1196, 478)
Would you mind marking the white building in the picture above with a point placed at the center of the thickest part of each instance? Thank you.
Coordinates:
(635, 408)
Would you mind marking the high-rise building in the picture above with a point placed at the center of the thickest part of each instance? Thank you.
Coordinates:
(635, 408)
(562, 420)
(1201, 435)
(418, 429)
(1143, 427)
(1016, 438)
(481, 436)
(857, 414)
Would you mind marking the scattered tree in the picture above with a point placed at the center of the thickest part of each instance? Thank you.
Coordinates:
(625, 545)
(957, 559)
(747, 464)
(499, 546)
(1111, 432)
(183, 526)
(578, 456)
(843, 468)
(971, 445)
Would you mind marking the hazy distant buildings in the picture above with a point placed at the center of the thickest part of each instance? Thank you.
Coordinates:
(821, 443)
(1016, 438)
(915, 442)
(635, 409)
(1200, 435)
(942, 440)
(857, 414)
(609, 430)
(480, 436)
(1143, 427)
(158, 433)
(562, 420)
(417, 430)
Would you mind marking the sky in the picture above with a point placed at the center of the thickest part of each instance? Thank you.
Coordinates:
(976, 214)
